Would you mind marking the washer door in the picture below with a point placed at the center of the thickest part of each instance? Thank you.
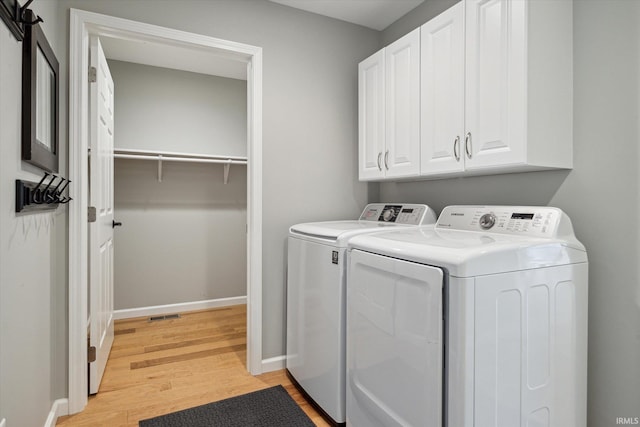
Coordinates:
(394, 342)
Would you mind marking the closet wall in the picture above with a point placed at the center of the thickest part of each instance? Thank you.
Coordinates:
(183, 239)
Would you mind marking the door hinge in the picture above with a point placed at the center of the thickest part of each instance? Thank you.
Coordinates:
(91, 354)
(92, 216)
(93, 75)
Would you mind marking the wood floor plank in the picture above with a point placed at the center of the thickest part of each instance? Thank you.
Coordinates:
(186, 356)
(189, 343)
(168, 365)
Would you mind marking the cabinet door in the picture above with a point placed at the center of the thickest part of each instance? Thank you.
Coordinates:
(442, 93)
(402, 88)
(495, 103)
(371, 116)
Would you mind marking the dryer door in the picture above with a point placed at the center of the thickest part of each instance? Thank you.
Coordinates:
(394, 342)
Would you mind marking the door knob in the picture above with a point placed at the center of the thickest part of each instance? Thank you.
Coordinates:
(116, 224)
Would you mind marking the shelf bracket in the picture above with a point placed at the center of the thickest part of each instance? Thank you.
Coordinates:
(227, 166)
(160, 168)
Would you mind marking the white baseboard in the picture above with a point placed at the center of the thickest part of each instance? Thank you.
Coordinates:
(273, 364)
(177, 308)
(59, 408)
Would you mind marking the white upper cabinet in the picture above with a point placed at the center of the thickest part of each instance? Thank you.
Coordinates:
(371, 108)
(496, 86)
(519, 85)
(389, 111)
(402, 116)
(442, 93)
(496, 92)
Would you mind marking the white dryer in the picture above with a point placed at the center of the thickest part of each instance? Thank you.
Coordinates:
(316, 298)
(480, 321)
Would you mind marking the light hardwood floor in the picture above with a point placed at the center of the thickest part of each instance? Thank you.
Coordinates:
(164, 366)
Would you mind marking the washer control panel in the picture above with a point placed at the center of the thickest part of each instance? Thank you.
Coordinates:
(534, 221)
(395, 213)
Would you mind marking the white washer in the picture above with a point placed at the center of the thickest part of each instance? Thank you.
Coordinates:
(480, 321)
(316, 297)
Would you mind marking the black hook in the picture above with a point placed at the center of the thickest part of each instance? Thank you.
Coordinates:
(51, 197)
(22, 12)
(65, 186)
(36, 193)
(55, 190)
(41, 181)
(50, 182)
(43, 196)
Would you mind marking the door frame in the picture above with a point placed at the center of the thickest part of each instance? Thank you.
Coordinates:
(83, 24)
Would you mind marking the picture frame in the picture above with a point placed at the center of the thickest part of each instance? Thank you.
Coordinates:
(40, 99)
(9, 11)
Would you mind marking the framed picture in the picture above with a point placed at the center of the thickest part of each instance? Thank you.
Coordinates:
(9, 9)
(40, 93)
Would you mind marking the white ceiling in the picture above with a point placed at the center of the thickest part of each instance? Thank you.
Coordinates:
(174, 57)
(375, 14)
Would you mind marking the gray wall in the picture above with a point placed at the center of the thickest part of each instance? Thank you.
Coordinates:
(183, 239)
(309, 115)
(170, 110)
(600, 194)
(33, 255)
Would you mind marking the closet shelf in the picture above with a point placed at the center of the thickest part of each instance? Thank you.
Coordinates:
(161, 156)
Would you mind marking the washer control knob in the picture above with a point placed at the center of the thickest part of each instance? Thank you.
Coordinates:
(387, 215)
(487, 221)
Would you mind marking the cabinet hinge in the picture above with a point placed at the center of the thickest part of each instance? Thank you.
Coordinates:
(93, 75)
(92, 216)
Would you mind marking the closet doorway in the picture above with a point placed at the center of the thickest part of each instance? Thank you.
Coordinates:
(181, 48)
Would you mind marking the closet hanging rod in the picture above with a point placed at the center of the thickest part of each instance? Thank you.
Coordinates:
(181, 159)
(167, 154)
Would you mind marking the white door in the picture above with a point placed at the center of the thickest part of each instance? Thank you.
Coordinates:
(371, 116)
(394, 342)
(495, 82)
(100, 231)
(442, 93)
(402, 101)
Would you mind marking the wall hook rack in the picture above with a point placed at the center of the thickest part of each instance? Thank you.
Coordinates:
(38, 196)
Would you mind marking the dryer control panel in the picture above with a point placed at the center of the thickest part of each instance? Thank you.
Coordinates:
(410, 214)
(535, 221)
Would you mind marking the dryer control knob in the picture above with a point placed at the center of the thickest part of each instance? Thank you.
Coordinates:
(487, 221)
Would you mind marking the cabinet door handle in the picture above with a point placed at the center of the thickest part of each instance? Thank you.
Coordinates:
(379, 165)
(386, 159)
(456, 148)
(467, 144)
